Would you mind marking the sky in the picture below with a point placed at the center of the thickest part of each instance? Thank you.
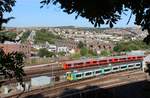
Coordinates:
(28, 13)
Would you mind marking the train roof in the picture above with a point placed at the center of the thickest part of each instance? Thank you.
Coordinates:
(100, 58)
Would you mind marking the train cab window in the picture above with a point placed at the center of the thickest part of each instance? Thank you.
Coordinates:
(99, 71)
(69, 75)
(88, 73)
(78, 75)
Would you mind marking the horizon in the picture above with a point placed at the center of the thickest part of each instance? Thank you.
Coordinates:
(69, 26)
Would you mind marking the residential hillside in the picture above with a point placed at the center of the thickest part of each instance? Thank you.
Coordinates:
(69, 39)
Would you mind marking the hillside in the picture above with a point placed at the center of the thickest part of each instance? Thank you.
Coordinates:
(42, 36)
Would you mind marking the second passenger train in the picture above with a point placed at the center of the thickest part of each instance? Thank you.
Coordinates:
(72, 76)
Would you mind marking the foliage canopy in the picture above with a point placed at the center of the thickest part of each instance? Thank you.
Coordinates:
(5, 6)
(131, 45)
(11, 65)
(107, 11)
(43, 52)
(42, 36)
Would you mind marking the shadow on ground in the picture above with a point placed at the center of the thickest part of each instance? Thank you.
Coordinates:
(132, 90)
(36, 96)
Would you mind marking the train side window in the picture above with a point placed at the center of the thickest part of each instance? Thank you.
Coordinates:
(87, 62)
(123, 59)
(123, 67)
(78, 75)
(89, 73)
(134, 57)
(69, 65)
(80, 63)
(115, 59)
(115, 68)
(99, 71)
(138, 64)
(110, 60)
(107, 70)
(103, 61)
(139, 57)
(130, 65)
(94, 61)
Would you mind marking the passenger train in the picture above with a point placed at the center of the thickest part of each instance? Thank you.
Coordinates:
(78, 75)
(99, 61)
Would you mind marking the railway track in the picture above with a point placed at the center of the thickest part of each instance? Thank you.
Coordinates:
(108, 84)
(56, 89)
(49, 71)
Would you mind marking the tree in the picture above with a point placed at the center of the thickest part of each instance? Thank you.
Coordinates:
(76, 55)
(129, 46)
(5, 6)
(62, 53)
(92, 52)
(108, 12)
(11, 65)
(8, 36)
(45, 53)
(81, 44)
(105, 53)
(84, 51)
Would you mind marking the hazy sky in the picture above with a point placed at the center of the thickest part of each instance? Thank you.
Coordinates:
(28, 13)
